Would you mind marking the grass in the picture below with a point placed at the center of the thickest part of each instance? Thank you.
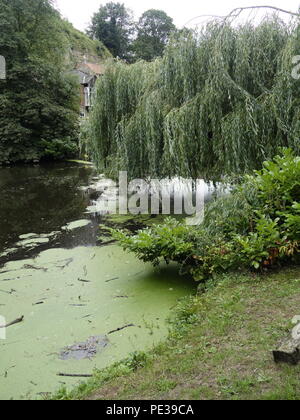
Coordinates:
(220, 347)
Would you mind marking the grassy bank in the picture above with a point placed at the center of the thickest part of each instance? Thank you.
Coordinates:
(219, 347)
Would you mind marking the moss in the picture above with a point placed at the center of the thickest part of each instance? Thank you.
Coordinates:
(69, 295)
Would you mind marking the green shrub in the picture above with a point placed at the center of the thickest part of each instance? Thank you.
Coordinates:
(278, 183)
(59, 149)
(256, 226)
(292, 221)
(169, 241)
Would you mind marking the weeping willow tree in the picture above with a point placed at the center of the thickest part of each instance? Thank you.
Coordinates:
(220, 101)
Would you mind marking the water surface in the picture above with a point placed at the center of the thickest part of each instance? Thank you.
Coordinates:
(70, 288)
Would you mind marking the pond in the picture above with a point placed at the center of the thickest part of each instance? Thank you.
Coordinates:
(85, 303)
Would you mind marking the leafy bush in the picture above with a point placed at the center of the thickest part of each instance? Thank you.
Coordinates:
(278, 183)
(292, 222)
(58, 149)
(168, 241)
(256, 226)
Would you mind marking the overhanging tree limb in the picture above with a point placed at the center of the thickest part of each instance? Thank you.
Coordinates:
(238, 10)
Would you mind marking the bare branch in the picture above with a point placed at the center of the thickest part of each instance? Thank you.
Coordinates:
(204, 16)
(277, 9)
(238, 10)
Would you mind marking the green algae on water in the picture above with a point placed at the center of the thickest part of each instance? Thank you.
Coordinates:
(68, 296)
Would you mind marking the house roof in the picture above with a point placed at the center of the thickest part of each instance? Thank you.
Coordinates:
(84, 78)
(86, 72)
(92, 68)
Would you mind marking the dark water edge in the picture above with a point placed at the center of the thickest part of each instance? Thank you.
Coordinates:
(41, 199)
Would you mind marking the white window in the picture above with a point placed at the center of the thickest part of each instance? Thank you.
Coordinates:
(87, 96)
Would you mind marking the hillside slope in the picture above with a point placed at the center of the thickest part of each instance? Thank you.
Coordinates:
(80, 47)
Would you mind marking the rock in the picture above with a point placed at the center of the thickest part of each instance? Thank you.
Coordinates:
(85, 350)
(289, 349)
(296, 320)
(288, 352)
(296, 332)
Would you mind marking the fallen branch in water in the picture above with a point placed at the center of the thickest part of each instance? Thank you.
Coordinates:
(84, 281)
(120, 329)
(16, 321)
(71, 375)
(115, 278)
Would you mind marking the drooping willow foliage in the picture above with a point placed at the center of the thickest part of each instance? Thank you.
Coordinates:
(220, 101)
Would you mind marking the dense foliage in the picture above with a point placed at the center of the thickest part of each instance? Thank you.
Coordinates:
(113, 25)
(38, 101)
(146, 39)
(153, 33)
(220, 101)
(256, 226)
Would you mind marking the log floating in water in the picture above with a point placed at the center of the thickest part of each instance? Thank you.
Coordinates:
(16, 321)
(84, 281)
(74, 375)
(120, 329)
(115, 278)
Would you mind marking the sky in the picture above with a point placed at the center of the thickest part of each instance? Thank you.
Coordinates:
(80, 12)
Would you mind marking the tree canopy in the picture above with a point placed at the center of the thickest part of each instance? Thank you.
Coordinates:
(153, 33)
(38, 102)
(113, 25)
